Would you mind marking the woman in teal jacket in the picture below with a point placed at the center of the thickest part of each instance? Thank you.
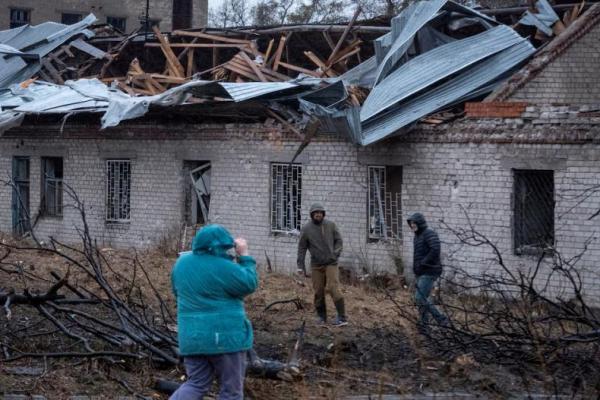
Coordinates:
(213, 331)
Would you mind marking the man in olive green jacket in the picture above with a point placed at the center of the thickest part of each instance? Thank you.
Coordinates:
(322, 238)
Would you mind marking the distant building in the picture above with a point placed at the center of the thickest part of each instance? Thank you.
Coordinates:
(125, 15)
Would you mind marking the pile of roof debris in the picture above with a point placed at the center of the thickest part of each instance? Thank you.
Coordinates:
(370, 83)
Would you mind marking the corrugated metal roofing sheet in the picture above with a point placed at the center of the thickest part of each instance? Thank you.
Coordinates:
(88, 48)
(442, 71)
(448, 93)
(362, 75)
(35, 40)
(404, 28)
(543, 19)
(11, 33)
(430, 67)
(6, 49)
(245, 91)
(33, 35)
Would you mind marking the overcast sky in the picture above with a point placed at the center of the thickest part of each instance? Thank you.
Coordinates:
(216, 3)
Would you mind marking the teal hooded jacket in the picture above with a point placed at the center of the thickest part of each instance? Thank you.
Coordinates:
(210, 289)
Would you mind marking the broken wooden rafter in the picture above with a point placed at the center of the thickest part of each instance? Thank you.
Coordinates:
(126, 88)
(253, 66)
(216, 38)
(56, 77)
(138, 75)
(159, 78)
(319, 28)
(57, 60)
(285, 123)
(66, 49)
(274, 76)
(183, 54)
(198, 45)
(333, 55)
(328, 39)
(238, 62)
(173, 63)
(351, 48)
(278, 53)
(299, 69)
(190, 62)
(572, 14)
(268, 52)
(346, 56)
(324, 69)
(253, 48)
(231, 66)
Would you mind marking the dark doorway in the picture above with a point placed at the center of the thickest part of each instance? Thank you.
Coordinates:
(182, 14)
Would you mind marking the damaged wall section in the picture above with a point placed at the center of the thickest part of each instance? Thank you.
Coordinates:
(445, 171)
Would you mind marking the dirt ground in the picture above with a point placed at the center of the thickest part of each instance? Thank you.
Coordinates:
(377, 353)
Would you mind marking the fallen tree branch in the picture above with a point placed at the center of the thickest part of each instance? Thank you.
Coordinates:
(297, 302)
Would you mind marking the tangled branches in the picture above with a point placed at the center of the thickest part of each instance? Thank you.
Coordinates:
(103, 319)
(113, 315)
(535, 320)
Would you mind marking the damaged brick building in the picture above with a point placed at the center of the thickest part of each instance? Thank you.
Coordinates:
(520, 166)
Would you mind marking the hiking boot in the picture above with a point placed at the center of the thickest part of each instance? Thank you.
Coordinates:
(321, 315)
(340, 307)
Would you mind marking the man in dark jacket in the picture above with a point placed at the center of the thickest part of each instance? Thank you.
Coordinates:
(427, 267)
(322, 238)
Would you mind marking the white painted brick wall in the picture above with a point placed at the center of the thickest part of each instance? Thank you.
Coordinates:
(440, 180)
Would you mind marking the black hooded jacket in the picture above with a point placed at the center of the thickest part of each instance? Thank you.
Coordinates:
(426, 252)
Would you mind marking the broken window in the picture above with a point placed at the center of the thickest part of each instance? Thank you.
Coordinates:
(533, 211)
(197, 192)
(52, 186)
(384, 202)
(20, 195)
(19, 17)
(118, 190)
(117, 22)
(286, 196)
(70, 18)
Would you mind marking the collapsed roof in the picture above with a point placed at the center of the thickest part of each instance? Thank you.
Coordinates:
(434, 54)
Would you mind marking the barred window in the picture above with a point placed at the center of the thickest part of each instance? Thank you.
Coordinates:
(118, 190)
(52, 186)
(286, 195)
(119, 23)
(19, 17)
(533, 211)
(20, 195)
(384, 202)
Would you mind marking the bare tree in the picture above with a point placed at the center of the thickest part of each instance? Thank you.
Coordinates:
(271, 12)
(229, 13)
(319, 11)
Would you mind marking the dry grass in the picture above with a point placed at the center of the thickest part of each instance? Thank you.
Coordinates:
(377, 353)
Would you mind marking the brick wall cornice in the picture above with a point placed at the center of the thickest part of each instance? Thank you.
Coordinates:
(503, 133)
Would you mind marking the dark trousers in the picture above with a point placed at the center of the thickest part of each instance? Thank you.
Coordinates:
(423, 290)
(229, 369)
